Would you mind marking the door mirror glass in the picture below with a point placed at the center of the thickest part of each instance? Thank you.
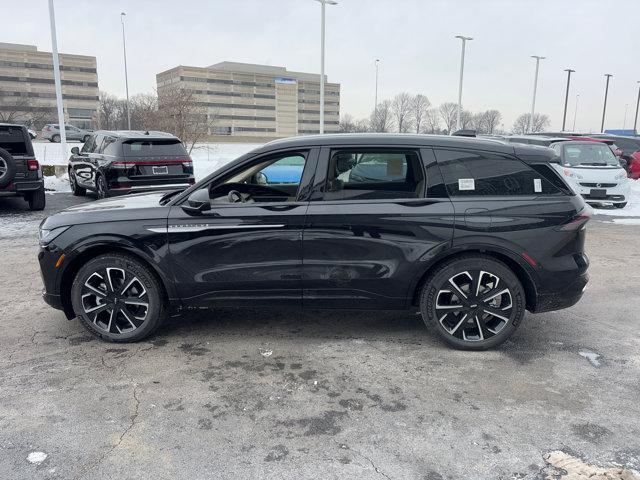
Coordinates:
(197, 202)
(75, 151)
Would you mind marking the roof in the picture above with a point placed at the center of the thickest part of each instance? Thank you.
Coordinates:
(136, 134)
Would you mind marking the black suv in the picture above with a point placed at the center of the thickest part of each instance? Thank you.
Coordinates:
(20, 173)
(470, 232)
(116, 163)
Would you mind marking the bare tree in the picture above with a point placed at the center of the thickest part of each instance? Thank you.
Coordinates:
(401, 106)
(109, 113)
(492, 119)
(347, 124)
(448, 113)
(419, 109)
(432, 121)
(144, 111)
(179, 113)
(362, 126)
(381, 118)
(478, 121)
(540, 122)
(23, 109)
(466, 120)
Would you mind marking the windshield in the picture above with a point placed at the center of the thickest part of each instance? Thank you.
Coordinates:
(597, 154)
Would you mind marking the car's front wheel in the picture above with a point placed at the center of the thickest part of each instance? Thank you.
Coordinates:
(55, 138)
(118, 298)
(75, 188)
(474, 302)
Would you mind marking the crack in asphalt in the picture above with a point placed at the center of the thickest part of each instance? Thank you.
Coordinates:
(373, 465)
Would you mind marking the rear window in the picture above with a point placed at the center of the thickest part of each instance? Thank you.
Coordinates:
(469, 173)
(153, 148)
(12, 140)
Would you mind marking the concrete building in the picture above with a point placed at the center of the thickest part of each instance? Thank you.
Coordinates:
(27, 87)
(249, 100)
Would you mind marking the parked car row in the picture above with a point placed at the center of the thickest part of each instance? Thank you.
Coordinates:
(51, 132)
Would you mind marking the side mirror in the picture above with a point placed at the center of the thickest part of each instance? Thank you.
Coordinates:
(197, 202)
(75, 151)
(262, 179)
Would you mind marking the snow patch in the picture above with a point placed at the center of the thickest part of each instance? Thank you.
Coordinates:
(56, 183)
(633, 204)
(591, 356)
(36, 457)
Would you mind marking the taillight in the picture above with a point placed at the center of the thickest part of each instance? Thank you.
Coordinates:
(577, 222)
(33, 165)
(123, 165)
(187, 162)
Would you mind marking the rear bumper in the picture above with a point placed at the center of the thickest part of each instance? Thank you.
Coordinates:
(17, 188)
(567, 297)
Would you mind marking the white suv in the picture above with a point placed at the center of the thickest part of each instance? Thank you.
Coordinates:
(593, 171)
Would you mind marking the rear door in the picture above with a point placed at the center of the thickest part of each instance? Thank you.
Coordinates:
(377, 215)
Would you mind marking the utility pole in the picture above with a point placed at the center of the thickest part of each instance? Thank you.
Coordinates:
(635, 122)
(375, 104)
(604, 108)
(575, 113)
(535, 89)
(323, 4)
(126, 76)
(459, 115)
(566, 97)
(56, 76)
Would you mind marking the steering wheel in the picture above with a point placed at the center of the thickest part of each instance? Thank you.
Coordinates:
(234, 196)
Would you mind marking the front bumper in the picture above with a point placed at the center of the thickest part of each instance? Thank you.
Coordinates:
(618, 194)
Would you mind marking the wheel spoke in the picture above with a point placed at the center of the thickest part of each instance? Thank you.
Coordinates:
(476, 277)
(493, 294)
(501, 314)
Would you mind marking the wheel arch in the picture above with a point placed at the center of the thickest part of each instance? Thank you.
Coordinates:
(508, 258)
(94, 251)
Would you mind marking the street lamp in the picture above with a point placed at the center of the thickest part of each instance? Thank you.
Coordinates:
(624, 120)
(375, 107)
(535, 89)
(126, 76)
(566, 97)
(323, 4)
(56, 76)
(604, 107)
(575, 113)
(464, 44)
(635, 122)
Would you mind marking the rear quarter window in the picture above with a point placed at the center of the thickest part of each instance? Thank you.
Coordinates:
(153, 148)
(12, 140)
(468, 173)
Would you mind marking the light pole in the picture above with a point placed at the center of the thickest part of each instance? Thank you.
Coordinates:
(375, 104)
(323, 4)
(464, 44)
(535, 89)
(126, 76)
(566, 97)
(624, 120)
(575, 113)
(604, 107)
(635, 122)
(56, 76)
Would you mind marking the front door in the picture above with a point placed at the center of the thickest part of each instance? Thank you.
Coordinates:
(371, 227)
(247, 250)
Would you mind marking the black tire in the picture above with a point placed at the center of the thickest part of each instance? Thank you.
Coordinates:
(75, 188)
(126, 280)
(472, 327)
(37, 199)
(55, 138)
(620, 205)
(102, 190)
(85, 138)
(7, 168)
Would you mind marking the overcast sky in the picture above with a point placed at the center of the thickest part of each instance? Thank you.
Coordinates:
(413, 39)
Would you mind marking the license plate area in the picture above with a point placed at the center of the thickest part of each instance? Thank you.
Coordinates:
(598, 193)
(161, 170)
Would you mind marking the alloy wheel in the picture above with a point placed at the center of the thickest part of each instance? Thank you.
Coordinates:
(72, 181)
(3, 167)
(115, 300)
(102, 188)
(474, 305)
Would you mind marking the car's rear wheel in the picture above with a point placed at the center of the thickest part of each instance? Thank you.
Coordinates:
(474, 302)
(55, 138)
(118, 298)
(101, 187)
(37, 199)
(73, 183)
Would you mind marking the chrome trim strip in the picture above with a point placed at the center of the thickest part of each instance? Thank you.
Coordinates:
(203, 227)
(162, 186)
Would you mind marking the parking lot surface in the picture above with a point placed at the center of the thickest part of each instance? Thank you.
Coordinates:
(282, 394)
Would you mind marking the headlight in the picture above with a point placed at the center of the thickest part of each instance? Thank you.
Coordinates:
(621, 176)
(46, 236)
(570, 174)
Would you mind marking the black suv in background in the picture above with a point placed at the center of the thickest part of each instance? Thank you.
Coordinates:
(115, 163)
(20, 173)
(470, 232)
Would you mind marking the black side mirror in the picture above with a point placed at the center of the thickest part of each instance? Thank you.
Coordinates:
(197, 202)
(75, 151)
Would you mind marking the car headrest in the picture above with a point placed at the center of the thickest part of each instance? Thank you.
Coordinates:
(344, 162)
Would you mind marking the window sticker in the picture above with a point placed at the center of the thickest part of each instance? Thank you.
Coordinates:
(466, 184)
(537, 185)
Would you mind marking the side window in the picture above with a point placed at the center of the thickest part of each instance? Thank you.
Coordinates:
(469, 173)
(374, 174)
(110, 146)
(90, 145)
(287, 171)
